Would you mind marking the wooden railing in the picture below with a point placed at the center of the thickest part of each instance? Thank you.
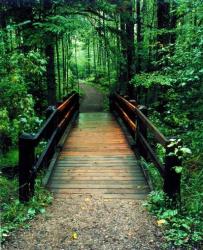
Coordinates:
(54, 127)
(139, 126)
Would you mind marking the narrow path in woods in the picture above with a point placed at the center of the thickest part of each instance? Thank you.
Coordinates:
(92, 100)
(90, 222)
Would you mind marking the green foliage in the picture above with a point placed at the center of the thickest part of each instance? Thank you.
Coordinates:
(149, 79)
(154, 175)
(19, 75)
(182, 229)
(15, 214)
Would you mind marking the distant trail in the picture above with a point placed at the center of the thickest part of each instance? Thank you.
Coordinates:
(92, 101)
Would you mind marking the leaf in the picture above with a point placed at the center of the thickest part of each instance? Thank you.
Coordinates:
(178, 169)
(42, 210)
(161, 222)
(186, 150)
(87, 199)
(31, 212)
(74, 236)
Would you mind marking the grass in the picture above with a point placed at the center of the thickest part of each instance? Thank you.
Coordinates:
(15, 214)
(10, 159)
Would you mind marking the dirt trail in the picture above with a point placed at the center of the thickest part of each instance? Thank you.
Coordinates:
(90, 223)
(92, 101)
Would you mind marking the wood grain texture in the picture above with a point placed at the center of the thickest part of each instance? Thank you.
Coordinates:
(96, 159)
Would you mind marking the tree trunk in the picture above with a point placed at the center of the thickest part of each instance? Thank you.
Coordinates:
(88, 57)
(49, 53)
(50, 72)
(139, 37)
(94, 56)
(58, 68)
(123, 75)
(163, 20)
(64, 65)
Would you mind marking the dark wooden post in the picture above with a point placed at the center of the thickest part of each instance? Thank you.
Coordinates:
(49, 111)
(132, 115)
(111, 100)
(58, 103)
(171, 177)
(77, 102)
(142, 129)
(26, 162)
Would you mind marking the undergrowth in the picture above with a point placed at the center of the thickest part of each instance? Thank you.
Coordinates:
(182, 229)
(15, 214)
(183, 222)
(9, 159)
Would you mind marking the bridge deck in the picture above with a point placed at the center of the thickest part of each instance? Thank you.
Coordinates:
(96, 159)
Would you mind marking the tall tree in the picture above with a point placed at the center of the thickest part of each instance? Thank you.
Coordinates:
(49, 53)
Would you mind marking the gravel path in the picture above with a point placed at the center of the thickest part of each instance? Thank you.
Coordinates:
(86, 222)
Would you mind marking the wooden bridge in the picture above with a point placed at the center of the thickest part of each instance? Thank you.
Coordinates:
(96, 158)
(90, 153)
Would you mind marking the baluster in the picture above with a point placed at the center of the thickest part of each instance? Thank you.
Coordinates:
(142, 129)
(132, 115)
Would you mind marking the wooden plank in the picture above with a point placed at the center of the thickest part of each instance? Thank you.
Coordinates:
(102, 182)
(89, 185)
(98, 169)
(125, 196)
(98, 174)
(99, 164)
(104, 171)
(99, 191)
(86, 179)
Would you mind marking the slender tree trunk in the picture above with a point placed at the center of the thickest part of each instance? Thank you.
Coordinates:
(58, 68)
(49, 53)
(139, 36)
(50, 72)
(67, 64)
(94, 55)
(64, 65)
(163, 20)
(173, 21)
(88, 57)
(130, 41)
(76, 64)
(118, 54)
(123, 75)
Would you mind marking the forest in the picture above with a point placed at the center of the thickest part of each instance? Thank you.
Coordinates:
(148, 50)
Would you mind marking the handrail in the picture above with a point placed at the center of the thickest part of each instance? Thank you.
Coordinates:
(136, 121)
(158, 135)
(52, 130)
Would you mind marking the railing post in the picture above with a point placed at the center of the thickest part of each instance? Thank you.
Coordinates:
(111, 102)
(49, 111)
(171, 177)
(77, 102)
(142, 129)
(132, 116)
(26, 161)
